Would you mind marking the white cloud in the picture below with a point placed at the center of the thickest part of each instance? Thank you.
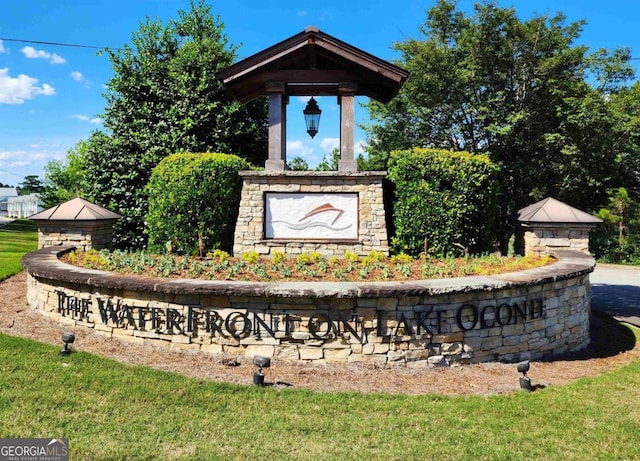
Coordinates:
(31, 53)
(57, 59)
(10, 160)
(359, 148)
(17, 90)
(2, 48)
(16, 164)
(328, 144)
(86, 118)
(298, 149)
(77, 76)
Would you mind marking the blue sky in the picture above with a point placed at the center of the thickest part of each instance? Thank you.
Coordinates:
(51, 96)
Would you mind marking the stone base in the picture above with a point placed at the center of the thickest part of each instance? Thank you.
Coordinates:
(85, 235)
(525, 315)
(371, 232)
(545, 239)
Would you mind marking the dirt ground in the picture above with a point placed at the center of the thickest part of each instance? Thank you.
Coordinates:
(612, 346)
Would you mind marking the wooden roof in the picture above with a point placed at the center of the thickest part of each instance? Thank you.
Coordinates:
(312, 63)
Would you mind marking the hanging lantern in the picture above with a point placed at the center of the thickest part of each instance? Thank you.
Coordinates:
(312, 117)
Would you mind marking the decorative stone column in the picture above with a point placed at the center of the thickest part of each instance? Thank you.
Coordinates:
(550, 225)
(76, 222)
(305, 211)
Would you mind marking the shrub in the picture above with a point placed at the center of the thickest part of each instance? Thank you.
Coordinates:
(445, 197)
(303, 259)
(351, 256)
(220, 255)
(250, 257)
(193, 202)
(278, 257)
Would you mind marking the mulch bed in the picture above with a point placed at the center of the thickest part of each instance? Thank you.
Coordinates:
(612, 345)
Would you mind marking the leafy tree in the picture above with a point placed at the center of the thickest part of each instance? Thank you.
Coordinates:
(30, 185)
(65, 180)
(521, 91)
(331, 162)
(618, 238)
(164, 99)
(298, 164)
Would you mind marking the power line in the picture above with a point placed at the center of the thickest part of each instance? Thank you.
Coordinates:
(75, 45)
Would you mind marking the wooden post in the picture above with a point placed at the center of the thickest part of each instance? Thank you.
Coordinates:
(277, 126)
(346, 96)
(283, 131)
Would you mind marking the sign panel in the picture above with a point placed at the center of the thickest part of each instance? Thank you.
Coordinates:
(311, 216)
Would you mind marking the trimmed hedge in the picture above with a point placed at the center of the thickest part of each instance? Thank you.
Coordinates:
(193, 195)
(447, 197)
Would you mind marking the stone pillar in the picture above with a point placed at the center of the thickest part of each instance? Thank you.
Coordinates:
(277, 126)
(346, 97)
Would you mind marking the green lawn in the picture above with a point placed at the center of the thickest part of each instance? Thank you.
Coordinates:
(16, 239)
(113, 411)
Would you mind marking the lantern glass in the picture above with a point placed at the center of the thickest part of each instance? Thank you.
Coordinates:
(312, 117)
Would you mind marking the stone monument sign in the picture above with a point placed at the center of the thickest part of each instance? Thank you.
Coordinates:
(296, 212)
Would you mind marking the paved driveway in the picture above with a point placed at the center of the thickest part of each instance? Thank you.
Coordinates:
(616, 291)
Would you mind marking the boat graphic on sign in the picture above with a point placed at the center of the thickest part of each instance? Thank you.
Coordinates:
(312, 216)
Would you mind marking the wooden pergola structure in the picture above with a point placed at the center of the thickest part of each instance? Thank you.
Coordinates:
(311, 63)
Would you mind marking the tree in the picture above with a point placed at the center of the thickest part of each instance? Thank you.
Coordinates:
(331, 162)
(521, 91)
(164, 99)
(618, 238)
(65, 180)
(298, 164)
(30, 185)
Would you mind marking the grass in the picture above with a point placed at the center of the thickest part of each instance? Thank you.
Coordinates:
(114, 411)
(16, 239)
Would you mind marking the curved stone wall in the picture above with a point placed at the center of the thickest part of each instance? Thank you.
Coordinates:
(515, 316)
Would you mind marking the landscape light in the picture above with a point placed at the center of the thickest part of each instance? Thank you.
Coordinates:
(67, 338)
(261, 362)
(312, 117)
(525, 381)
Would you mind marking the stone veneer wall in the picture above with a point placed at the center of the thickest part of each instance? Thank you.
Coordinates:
(514, 316)
(372, 232)
(542, 240)
(83, 234)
